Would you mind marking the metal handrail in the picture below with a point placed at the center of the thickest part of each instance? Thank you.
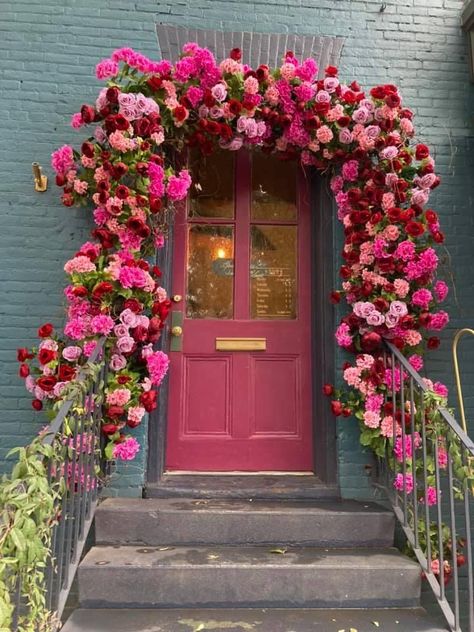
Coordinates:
(426, 483)
(76, 429)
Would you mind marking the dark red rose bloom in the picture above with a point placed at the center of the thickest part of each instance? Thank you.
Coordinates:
(142, 126)
(102, 288)
(133, 304)
(381, 304)
(335, 297)
(67, 199)
(330, 71)
(148, 400)
(47, 382)
(345, 272)
(424, 319)
(421, 152)
(80, 291)
(407, 215)
(370, 342)
(140, 333)
(133, 423)
(392, 100)
(121, 122)
(112, 95)
(23, 354)
(366, 288)
(438, 237)
(66, 373)
(415, 229)
(60, 179)
(120, 169)
(343, 121)
(155, 83)
(123, 379)
(46, 355)
(226, 132)
(433, 342)
(87, 114)
(346, 412)
(105, 237)
(180, 113)
(235, 107)
(328, 389)
(378, 92)
(236, 54)
(431, 216)
(262, 72)
(156, 204)
(37, 404)
(336, 407)
(115, 411)
(110, 429)
(87, 149)
(161, 309)
(45, 330)
(24, 370)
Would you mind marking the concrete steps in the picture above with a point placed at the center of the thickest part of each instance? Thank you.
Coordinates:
(234, 522)
(225, 576)
(257, 620)
(171, 564)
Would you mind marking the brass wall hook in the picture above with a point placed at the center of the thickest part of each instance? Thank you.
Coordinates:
(41, 181)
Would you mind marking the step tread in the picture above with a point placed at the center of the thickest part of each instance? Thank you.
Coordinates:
(243, 557)
(253, 620)
(234, 506)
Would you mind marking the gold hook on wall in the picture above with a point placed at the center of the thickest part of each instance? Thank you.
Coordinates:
(41, 181)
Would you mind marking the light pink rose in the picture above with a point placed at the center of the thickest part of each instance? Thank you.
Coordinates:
(125, 344)
(117, 362)
(128, 318)
(121, 330)
(72, 353)
(362, 309)
(398, 308)
(375, 318)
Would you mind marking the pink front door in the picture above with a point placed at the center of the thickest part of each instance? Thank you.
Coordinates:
(242, 265)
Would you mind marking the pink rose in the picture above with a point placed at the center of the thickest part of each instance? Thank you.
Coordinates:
(125, 344)
(129, 318)
(120, 330)
(375, 318)
(398, 308)
(72, 353)
(117, 362)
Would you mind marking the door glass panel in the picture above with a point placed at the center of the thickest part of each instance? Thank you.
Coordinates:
(273, 271)
(273, 188)
(212, 191)
(210, 287)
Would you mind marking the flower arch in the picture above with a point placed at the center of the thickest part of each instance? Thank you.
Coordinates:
(381, 183)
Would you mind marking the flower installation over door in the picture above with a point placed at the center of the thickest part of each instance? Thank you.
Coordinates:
(127, 170)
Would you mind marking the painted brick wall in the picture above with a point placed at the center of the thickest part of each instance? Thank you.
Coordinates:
(48, 52)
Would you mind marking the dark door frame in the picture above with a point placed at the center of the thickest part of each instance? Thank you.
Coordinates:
(323, 357)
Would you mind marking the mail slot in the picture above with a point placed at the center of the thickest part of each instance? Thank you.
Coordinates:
(241, 344)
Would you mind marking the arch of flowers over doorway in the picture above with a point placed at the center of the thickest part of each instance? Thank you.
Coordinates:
(149, 112)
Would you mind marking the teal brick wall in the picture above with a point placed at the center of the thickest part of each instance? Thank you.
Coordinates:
(48, 52)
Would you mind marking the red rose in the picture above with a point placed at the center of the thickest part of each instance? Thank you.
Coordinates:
(37, 404)
(433, 342)
(370, 342)
(155, 83)
(431, 216)
(148, 400)
(343, 121)
(66, 373)
(330, 71)
(24, 370)
(46, 355)
(87, 149)
(133, 304)
(23, 354)
(109, 429)
(392, 100)
(460, 559)
(336, 408)
(47, 382)
(235, 107)
(161, 309)
(438, 237)
(112, 95)
(378, 92)
(346, 412)
(87, 114)
(104, 287)
(140, 333)
(421, 152)
(133, 423)
(180, 113)
(345, 272)
(328, 389)
(123, 379)
(122, 192)
(67, 199)
(121, 122)
(115, 411)
(335, 297)
(105, 237)
(80, 291)
(236, 54)
(381, 304)
(414, 229)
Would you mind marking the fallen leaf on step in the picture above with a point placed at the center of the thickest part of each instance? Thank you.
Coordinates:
(279, 551)
(352, 630)
(376, 623)
(199, 628)
(165, 548)
(212, 557)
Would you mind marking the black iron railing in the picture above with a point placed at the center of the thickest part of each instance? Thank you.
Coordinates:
(77, 471)
(426, 475)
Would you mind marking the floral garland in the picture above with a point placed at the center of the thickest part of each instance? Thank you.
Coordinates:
(151, 110)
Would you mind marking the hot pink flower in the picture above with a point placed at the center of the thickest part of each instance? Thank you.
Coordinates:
(400, 483)
(106, 69)
(157, 364)
(178, 186)
(102, 324)
(422, 298)
(441, 291)
(62, 160)
(127, 450)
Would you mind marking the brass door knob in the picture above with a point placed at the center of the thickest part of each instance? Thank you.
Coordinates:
(177, 331)
(177, 298)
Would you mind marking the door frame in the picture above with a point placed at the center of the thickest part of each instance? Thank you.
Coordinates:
(323, 347)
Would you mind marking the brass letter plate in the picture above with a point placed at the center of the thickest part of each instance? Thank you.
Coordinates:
(241, 344)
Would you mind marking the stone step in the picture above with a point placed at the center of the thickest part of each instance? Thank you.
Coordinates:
(184, 521)
(255, 620)
(220, 576)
